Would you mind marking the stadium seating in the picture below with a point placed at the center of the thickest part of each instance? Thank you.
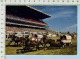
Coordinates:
(21, 29)
(27, 20)
(18, 29)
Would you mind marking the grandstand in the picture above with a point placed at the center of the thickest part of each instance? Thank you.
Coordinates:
(25, 18)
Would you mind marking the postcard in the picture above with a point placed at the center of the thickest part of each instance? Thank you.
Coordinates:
(40, 30)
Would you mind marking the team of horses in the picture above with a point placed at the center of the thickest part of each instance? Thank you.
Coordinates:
(34, 41)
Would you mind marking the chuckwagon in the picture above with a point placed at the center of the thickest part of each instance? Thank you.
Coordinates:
(68, 40)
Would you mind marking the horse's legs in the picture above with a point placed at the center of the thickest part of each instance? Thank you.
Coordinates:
(14, 43)
(41, 43)
(44, 45)
(10, 42)
(17, 44)
(37, 47)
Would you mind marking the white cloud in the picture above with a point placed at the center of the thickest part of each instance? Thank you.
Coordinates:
(63, 14)
(71, 28)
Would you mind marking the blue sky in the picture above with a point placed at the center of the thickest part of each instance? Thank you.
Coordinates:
(63, 18)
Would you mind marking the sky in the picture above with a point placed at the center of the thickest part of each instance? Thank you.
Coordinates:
(63, 18)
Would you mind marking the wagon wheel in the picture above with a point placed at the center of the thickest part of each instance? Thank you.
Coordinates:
(70, 44)
(64, 45)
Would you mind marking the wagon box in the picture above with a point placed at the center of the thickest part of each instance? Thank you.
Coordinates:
(66, 41)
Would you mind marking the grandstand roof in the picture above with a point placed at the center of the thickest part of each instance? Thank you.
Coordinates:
(26, 12)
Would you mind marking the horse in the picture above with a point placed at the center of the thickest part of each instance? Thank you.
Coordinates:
(28, 44)
(56, 43)
(17, 39)
(38, 39)
(42, 40)
(13, 39)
